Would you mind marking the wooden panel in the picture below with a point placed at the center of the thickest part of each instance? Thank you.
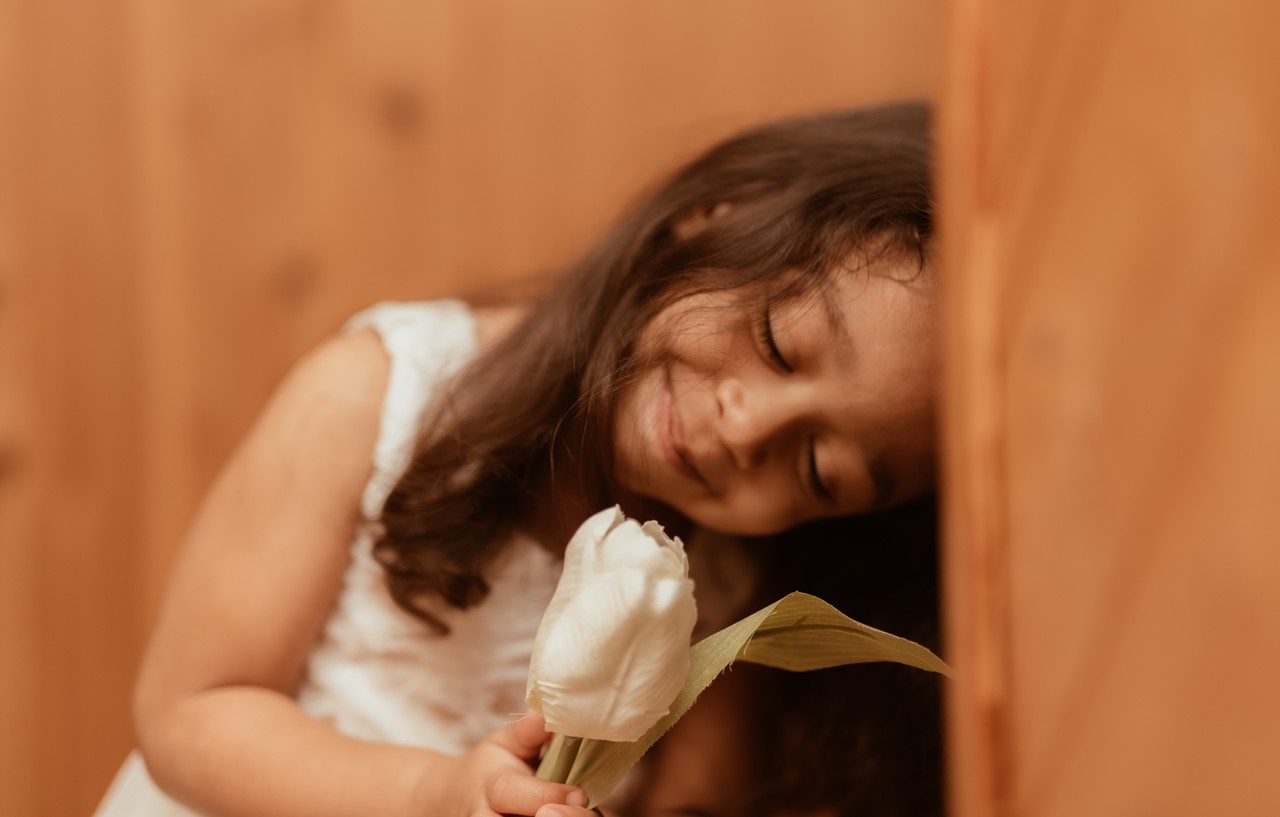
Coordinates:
(70, 505)
(1110, 189)
(191, 194)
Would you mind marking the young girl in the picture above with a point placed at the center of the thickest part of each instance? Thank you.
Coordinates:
(349, 626)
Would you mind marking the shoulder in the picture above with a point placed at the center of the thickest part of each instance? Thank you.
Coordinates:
(325, 416)
(349, 368)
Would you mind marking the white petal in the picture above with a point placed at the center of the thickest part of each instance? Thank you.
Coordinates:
(622, 650)
(612, 651)
(672, 543)
(580, 559)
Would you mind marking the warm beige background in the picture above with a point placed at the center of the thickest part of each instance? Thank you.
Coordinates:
(193, 193)
(1110, 184)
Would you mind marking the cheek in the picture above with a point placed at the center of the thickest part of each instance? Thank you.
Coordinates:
(633, 429)
(626, 435)
(912, 449)
(907, 423)
(921, 472)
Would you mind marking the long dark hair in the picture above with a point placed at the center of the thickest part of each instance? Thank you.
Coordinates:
(853, 741)
(862, 740)
(792, 197)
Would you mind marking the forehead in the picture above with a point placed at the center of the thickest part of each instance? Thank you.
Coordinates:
(865, 311)
(871, 275)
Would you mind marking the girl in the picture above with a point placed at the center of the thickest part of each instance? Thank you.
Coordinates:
(349, 625)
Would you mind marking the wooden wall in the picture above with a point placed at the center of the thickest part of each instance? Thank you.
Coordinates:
(1110, 195)
(193, 193)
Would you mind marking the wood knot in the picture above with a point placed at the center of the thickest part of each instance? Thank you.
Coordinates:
(400, 110)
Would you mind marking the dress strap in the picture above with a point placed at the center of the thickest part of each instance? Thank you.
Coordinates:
(427, 343)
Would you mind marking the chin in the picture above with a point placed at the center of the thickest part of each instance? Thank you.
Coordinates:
(731, 525)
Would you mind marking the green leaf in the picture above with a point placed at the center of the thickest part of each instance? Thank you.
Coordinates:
(798, 632)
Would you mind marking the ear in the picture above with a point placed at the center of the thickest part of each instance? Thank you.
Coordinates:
(695, 222)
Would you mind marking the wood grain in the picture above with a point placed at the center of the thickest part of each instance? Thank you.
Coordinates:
(1110, 191)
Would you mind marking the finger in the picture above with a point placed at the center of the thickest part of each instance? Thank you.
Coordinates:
(523, 738)
(568, 811)
(514, 793)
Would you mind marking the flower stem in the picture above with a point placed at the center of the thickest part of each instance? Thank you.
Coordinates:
(558, 761)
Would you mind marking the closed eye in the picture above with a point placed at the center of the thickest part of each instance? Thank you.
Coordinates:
(816, 482)
(771, 345)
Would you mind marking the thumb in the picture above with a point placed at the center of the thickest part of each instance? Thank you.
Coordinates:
(523, 738)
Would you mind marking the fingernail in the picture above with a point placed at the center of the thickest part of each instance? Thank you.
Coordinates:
(576, 798)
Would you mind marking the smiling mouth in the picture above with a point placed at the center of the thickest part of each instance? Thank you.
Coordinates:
(671, 434)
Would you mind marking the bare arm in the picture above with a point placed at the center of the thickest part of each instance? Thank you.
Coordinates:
(258, 575)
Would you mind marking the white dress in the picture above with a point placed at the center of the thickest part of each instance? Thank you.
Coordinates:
(376, 672)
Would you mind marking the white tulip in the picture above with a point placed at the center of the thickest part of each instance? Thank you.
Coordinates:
(613, 648)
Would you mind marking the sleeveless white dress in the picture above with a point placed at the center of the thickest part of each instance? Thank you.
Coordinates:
(376, 672)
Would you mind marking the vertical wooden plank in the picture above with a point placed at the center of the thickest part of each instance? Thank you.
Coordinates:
(973, 477)
(160, 118)
(1130, 284)
(19, 633)
(70, 313)
(1142, 356)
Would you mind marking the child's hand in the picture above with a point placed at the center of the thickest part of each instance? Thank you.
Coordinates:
(496, 778)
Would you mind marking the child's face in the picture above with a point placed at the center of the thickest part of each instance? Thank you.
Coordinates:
(751, 421)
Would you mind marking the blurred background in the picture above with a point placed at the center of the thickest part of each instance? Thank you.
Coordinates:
(191, 194)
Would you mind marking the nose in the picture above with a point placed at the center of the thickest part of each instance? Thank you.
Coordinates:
(750, 421)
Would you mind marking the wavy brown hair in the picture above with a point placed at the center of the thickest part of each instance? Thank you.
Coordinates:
(801, 196)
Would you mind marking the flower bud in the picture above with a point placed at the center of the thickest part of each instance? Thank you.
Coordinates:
(613, 648)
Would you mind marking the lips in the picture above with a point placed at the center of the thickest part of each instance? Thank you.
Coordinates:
(671, 434)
